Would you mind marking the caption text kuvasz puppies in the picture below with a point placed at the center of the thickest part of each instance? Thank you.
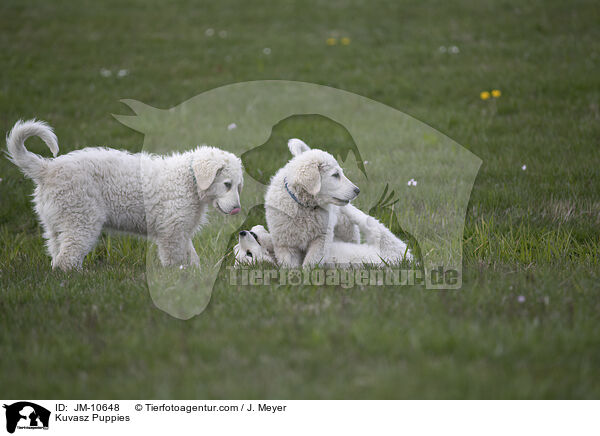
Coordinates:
(80, 193)
(302, 205)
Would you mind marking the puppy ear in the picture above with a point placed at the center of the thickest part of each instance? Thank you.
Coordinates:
(297, 146)
(308, 177)
(205, 172)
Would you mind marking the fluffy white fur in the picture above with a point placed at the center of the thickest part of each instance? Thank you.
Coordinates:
(165, 198)
(302, 229)
(381, 246)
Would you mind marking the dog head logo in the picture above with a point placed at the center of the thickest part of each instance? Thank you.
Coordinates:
(417, 179)
(26, 415)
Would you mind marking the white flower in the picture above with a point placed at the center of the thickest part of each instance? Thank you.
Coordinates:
(454, 49)
(524, 167)
(209, 32)
(366, 162)
(521, 299)
(105, 72)
(267, 51)
(223, 33)
(442, 49)
(232, 126)
(0, 179)
(123, 73)
(412, 182)
(180, 266)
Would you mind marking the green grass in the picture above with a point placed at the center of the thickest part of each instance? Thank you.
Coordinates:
(532, 234)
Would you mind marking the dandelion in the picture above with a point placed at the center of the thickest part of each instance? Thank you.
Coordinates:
(524, 167)
(331, 41)
(232, 126)
(521, 299)
(209, 32)
(484, 95)
(267, 51)
(105, 72)
(496, 93)
(345, 40)
(122, 73)
(454, 50)
(223, 34)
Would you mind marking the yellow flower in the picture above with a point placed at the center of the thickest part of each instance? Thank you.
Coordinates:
(484, 95)
(345, 40)
(496, 93)
(331, 41)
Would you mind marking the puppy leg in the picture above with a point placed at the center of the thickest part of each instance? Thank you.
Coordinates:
(369, 226)
(315, 253)
(51, 231)
(52, 242)
(345, 230)
(288, 257)
(194, 259)
(173, 250)
(75, 243)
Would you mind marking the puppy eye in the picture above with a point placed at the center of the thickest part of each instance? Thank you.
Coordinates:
(336, 175)
(228, 185)
(249, 253)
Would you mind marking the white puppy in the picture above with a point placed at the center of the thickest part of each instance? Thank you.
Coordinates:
(381, 246)
(254, 246)
(302, 206)
(162, 197)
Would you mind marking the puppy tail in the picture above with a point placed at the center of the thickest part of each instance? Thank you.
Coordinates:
(30, 163)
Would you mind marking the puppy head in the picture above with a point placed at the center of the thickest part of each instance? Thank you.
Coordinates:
(254, 246)
(219, 177)
(317, 173)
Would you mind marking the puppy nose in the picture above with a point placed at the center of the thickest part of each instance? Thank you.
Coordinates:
(356, 190)
(243, 233)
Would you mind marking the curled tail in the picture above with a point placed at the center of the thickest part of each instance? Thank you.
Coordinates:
(30, 163)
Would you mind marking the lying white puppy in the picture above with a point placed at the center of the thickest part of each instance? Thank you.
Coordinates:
(254, 246)
(162, 197)
(302, 205)
(382, 247)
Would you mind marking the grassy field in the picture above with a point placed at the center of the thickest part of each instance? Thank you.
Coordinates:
(524, 325)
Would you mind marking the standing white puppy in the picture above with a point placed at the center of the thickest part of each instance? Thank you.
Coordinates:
(162, 197)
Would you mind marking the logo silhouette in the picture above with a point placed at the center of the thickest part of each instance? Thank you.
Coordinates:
(26, 414)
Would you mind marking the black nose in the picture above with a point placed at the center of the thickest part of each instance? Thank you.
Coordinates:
(356, 190)
(243, 233)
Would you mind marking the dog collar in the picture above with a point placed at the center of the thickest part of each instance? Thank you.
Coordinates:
(294, 197)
